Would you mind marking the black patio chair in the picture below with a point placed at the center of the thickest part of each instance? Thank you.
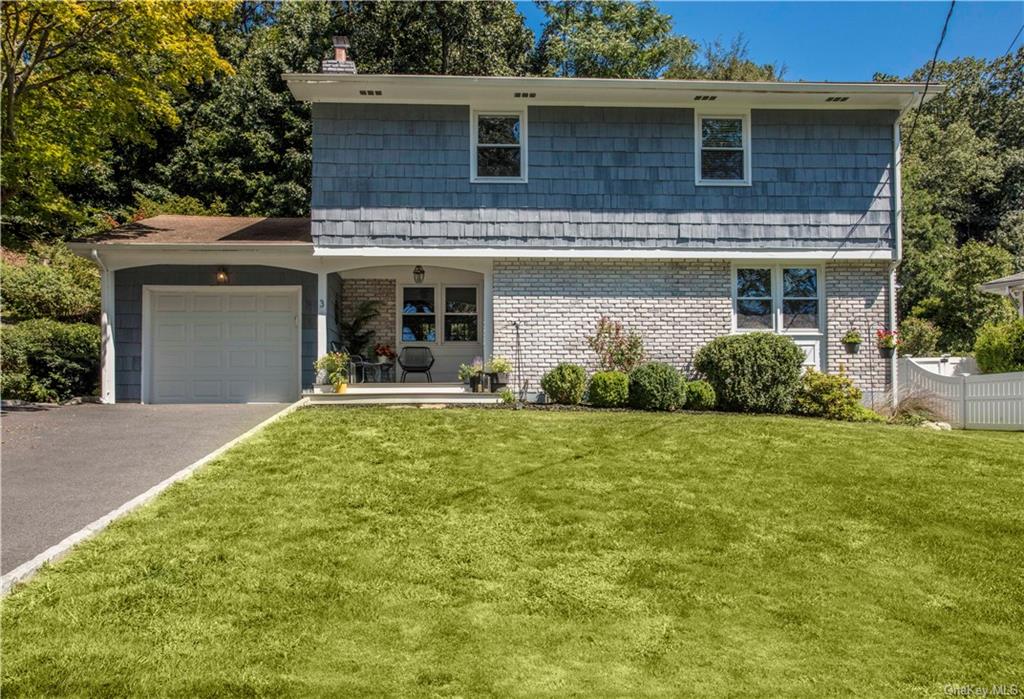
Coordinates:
(416, 360)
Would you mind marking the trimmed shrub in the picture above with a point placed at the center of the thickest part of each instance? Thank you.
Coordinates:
(700, 395)
(656, 386)
(609, 389)
(52, 283)
(565, 384)
(918, 337)
(753, 372)
(1000, 348)
(831, 396)
(46, 361)
(616, 348)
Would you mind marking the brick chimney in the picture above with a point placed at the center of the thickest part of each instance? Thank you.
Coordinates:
(340, 63)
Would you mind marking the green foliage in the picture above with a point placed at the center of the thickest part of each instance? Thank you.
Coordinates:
(852, 337)
(354, 334)
(616, 348)
(498, 365)
(718, 61)
(918, 337)
(656, 386)
(46, 361)
(962, 308)
(565, 384)
(609, 389)
(831, 396)
(1000, 347)
(752, 372)
(700, 395)
(508, 396)
(51, 282)
(80, 76)
(333, 366)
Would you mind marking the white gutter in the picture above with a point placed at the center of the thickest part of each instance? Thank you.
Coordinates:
(609, 253)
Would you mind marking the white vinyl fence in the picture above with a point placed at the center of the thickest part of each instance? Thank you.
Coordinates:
(970, 401)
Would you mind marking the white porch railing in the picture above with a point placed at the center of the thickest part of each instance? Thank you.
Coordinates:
(970, 401)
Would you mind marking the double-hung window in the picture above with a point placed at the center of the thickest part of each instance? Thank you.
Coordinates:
(419, 318)
(460, 314)
(723, 150)
(778, 298)
(498, 152)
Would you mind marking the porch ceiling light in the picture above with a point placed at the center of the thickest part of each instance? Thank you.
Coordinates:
(418, 273)
(222, 275)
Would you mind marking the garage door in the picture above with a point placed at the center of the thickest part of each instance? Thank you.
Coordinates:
(224, 345)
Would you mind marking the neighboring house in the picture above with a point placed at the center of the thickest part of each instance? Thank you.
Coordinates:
(1011, 287)
(504, 215)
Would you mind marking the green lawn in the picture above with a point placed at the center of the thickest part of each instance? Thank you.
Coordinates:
(476, 552)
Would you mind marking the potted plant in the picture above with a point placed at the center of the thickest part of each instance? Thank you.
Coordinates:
(334, 367)
(384, 353)
(497, 371)
(852, 340)
(887, 342)
(473, 374)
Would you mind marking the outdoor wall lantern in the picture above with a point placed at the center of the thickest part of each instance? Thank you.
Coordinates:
(222, 275)
(418, 273)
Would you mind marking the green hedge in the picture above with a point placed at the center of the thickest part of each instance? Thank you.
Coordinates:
(656, 386)
(52, 283)
(565, 384)
(753, 372)
(700, 395)
(46, 361)
(609, 389)
(1000, 348)
(831, 396)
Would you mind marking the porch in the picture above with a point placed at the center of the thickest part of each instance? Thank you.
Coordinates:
(373, 309)
(447, 393)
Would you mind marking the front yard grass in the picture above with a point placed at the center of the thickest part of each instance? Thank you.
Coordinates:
(474, 552)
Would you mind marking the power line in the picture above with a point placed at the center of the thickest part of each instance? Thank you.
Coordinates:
(1015, 37)
(931, 71)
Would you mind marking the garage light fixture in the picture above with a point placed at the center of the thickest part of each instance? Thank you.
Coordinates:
(418, 273)
(222, 276)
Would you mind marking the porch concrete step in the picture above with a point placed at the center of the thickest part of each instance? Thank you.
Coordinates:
(405, 394)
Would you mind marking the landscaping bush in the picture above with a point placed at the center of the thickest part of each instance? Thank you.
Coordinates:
(753, 372)
(831, 396)
(616, 348)
(609, 389)
(51, 282)
(700, 395)
(1000, 348)
(918, 337)
(565, 384)
(656, 386)
(45, 361)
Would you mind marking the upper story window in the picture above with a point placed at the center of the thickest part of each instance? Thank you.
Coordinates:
(499, 147)
(723, 149)
(778, 298)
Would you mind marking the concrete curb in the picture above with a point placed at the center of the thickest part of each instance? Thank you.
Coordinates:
(27, 569)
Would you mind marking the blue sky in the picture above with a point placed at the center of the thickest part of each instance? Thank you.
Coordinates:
(844, 40)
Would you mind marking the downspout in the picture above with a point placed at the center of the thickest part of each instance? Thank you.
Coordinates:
(894, 398)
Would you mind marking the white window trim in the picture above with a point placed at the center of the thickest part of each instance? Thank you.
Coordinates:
(474, 115)
(744, 116)
(444, 315)
(777, 326)
(439, 314)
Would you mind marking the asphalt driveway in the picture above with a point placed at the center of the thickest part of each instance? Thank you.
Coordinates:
(64, 467)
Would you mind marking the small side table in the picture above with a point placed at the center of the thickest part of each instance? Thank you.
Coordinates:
(379, 372)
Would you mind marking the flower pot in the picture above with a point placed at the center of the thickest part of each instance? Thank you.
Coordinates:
(340, 387)
(498, 380)
(887, 352)
(852, 347)
(323, 387)
(476, 382)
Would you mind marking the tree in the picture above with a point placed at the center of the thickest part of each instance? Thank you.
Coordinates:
(78, 74)
(721, 62)
(608, 39)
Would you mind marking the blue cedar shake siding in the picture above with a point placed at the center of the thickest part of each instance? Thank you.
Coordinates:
(398, 175)
(128, 312)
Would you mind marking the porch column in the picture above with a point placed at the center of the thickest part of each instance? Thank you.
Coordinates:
(107, 358)
(488, 314)
(321, 314)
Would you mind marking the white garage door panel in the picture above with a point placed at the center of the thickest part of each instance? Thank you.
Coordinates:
(214, 346)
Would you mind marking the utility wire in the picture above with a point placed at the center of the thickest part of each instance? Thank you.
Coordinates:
(931, 71)
(1015, 37)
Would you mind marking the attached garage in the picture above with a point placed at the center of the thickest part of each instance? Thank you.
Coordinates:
(214, 344)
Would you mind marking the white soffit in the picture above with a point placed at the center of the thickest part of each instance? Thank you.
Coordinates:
(466, 90)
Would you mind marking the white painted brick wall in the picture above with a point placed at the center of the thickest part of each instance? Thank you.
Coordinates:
(678, 306)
